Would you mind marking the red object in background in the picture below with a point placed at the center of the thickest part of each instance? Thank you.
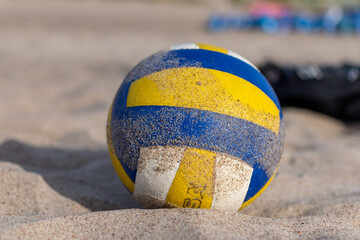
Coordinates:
(269, 9)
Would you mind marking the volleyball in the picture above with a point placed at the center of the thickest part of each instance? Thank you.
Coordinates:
(195, 126)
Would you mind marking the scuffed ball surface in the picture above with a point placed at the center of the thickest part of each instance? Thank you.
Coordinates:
(195, 126)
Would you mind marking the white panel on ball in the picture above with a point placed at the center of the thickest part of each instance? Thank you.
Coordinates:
(156, 170)
(232, 180)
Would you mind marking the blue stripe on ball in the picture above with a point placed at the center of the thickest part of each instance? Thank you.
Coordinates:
(147, 126)
(258, 179)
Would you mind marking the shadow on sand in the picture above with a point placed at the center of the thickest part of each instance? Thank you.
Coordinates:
(85, 176)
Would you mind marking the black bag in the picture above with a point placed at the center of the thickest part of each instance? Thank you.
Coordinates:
(334, 91)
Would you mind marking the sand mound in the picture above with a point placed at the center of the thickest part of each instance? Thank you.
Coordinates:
(188, 224)
(50, 192)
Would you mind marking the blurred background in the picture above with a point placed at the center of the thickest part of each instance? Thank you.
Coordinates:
(61, 62)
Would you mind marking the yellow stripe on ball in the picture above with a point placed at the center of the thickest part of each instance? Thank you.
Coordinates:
(212, 48)
(206, 89)
(193, 183)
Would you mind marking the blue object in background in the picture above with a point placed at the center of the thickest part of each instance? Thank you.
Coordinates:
(303, 23)
(357, 22)
(217, 23)
(269, 25)
(334, 20)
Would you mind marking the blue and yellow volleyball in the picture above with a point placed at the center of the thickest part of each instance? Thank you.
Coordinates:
(195, 126)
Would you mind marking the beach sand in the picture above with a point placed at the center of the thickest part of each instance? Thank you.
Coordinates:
(60, 66)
